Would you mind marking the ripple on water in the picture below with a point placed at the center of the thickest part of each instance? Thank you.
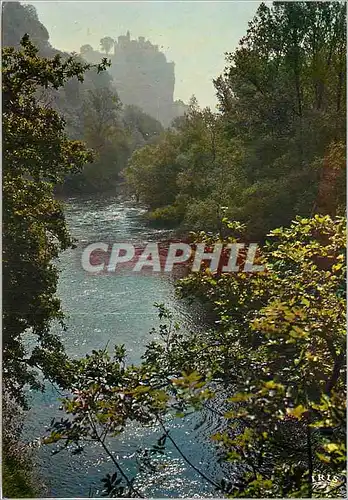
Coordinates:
(105, 310)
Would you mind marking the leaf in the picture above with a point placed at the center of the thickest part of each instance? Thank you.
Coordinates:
(297, 412)
(331, 447)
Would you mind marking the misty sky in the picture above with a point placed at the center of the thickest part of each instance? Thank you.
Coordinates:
(195, 35)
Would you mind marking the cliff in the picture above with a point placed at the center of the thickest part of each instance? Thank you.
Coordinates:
(142, 75)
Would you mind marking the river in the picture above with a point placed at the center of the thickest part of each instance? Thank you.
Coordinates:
(107, 309)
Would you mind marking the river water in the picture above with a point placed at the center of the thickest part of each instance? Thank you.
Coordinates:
(108, 309)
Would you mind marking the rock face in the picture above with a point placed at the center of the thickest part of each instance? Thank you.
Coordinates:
(17, 20)
(142, 76)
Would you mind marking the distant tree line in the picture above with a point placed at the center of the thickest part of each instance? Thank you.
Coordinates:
(276, 148)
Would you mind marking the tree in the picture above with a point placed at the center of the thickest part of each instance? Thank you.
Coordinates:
(186, 176)
(266, 154)
(151, 172)
(106, 44)
(86, 49)
(281, 94)
(144, 127)
(280, 351)
(104, 132)
(37, 156)
(272, 371)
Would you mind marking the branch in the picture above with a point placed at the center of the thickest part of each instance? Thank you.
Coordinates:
(117, 465)
(210, 481)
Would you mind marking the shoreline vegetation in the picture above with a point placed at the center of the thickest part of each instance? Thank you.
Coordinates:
(17, 478)
(19, 475)
(268, 166)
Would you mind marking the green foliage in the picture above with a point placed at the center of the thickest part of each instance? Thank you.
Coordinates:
(106, 44)
(272, 369)
(284, 334)
(142, 127)
(152, 172)
(167, 216)
(282, 95)
(37, 156)
(104, 133)
(276, 147)
(182, 175)
(17, 479)
(18, 474)
(112, 131)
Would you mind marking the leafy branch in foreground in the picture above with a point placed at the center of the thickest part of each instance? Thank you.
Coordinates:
(278, 356)
(37, 156)
(272, 370)
(286, 328)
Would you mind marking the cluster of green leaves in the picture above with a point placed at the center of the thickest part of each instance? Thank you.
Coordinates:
(37, 156)
(18, 477)
(112, 130)
(272, 370)
(100, 127)
(283, 332)
(188, 174)
(276, 148)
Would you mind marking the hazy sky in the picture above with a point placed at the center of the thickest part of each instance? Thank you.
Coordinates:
(195, 35)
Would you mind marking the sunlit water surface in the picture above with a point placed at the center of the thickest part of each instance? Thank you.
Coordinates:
(107, 309)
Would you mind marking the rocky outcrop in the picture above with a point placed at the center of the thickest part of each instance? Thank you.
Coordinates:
(143, 77)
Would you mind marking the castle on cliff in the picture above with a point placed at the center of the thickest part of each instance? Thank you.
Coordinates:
(143, 77)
